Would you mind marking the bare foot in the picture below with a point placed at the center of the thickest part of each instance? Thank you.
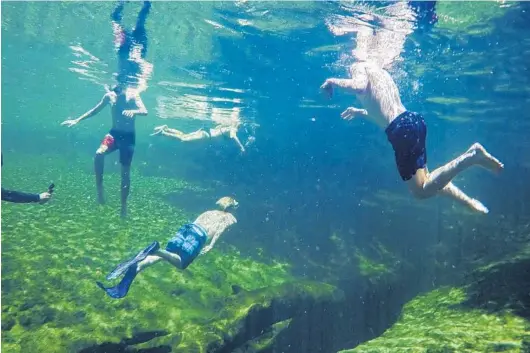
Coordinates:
(485, 159)
(478, 206)
(159, 129)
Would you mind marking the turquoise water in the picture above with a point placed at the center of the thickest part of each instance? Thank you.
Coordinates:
(329, 244)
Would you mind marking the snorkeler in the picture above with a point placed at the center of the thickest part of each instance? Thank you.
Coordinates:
(225, 128)
(181, 250)
(131, 47)
(406, 131)
(125, 104)
(22, 197)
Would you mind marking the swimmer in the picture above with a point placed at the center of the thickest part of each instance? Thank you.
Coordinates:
(229, 131)
(125, 104)
(131, 48)
(188, 243)
(406, 131)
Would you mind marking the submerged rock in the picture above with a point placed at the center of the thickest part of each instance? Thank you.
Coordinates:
(250, 321)
(489, 314)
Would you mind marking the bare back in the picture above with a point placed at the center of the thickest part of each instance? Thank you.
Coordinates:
(381, 97)
(215, 222)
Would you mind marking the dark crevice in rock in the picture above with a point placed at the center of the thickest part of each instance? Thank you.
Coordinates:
(142, 337)
(125, 345)
(502, 286)
(362, 311)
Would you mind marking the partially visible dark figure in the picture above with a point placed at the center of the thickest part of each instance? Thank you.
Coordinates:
(22, 197)
(131, 46)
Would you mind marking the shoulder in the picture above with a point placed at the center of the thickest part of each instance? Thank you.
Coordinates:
(109, 97)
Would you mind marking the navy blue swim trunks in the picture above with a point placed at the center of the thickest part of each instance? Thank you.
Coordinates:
(407, 134)
(123, 141)
(187, 243)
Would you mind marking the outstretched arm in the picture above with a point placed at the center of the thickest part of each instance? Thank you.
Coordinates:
(99, 107)
(353, 86)
(210, 246)
(19, 197)
(356, 85)
(233, 136)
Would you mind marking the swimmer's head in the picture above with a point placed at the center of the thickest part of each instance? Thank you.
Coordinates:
(227, 203)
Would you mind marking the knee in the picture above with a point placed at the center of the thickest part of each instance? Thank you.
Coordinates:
(100, 152)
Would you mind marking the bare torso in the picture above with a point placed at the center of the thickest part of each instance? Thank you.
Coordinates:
(120, 103)
(215, 222)
(381, 96)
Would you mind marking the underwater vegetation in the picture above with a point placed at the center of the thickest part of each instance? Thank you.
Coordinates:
(227, 302)
(53, 254)
(489, 314)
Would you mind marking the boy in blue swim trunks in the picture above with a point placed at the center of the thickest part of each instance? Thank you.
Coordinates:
(188, 243)
(406, 131)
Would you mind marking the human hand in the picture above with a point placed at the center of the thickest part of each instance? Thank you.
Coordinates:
(352, 112)
(69, 122)
(327, 89)
(129, 113)
(44, 197)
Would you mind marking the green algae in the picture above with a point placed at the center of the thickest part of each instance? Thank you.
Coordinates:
(455, 119)
(463, 16)
(437, 322)
(370, 268)
(447, 100)
(52, 255)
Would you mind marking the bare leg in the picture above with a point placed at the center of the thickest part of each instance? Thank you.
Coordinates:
(197, 135)
(125, 188)
(148, 261)
(455, 193)
(99, 164)
(427, 185)
(173, 131)
(161, 254)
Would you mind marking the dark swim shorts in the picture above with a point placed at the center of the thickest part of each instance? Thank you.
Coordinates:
(187, 243)
(123, 141)
(407, 134)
